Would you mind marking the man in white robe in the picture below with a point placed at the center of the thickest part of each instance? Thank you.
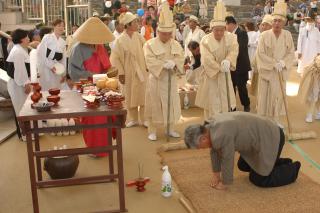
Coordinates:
(164, 57)
(128, 57)
(275, 56)
(195, 34)
(117, 32)
(219, 51)
(308, 46)
(265, 25)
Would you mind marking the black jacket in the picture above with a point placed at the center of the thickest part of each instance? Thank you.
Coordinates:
(4, 44)
(240, 75)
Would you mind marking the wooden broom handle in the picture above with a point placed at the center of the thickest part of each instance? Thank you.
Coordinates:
(285, 101)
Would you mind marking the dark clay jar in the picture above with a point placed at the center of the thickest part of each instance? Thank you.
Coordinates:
(61, 167)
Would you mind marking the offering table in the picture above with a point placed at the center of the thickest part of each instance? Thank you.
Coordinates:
(71, 105)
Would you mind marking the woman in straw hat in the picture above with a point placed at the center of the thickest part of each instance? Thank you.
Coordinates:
(127, 56)
(275, 53)
(85, 54)
(51, 51)
(163, 56)
(88, 57)
(219, 51)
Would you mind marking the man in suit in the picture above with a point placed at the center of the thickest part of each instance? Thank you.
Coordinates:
(240, 75)
(259, 144)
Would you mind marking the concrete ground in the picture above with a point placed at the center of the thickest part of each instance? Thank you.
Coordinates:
(15, 194)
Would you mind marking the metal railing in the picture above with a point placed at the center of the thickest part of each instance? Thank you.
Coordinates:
(33, 10)
(54, 9)
(47, 11)
(76, 14)
(12, 4)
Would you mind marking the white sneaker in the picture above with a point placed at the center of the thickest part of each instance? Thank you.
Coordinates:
(152, 137)
(317, 117)
(131, 124)
(309, 118)
(174, 134)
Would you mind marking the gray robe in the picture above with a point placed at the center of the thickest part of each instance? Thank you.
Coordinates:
(256, 139)
(80, 53)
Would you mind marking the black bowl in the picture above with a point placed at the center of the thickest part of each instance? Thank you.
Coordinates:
(43, 106)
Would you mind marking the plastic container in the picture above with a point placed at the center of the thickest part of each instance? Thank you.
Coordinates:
(166, 188)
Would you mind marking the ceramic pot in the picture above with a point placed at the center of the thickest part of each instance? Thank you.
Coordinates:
(61, 167)
(35, 97)
(37, 88)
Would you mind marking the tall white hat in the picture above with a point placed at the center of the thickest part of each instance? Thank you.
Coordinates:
(166, 18)
(280, 10)
(219, 15)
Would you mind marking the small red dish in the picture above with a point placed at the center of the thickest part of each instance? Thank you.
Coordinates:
(54, 91)
(54, 99)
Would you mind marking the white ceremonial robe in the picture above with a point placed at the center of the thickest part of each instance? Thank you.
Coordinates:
(270, 50)
(113, 43)
(128, 57)
(252, 43)
(18, 56)
(309, 46)
(212, 92)
(48, 79)
(156, 107)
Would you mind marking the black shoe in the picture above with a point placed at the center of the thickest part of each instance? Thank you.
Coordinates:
(282, 161)
(297, 164)
(247, 108)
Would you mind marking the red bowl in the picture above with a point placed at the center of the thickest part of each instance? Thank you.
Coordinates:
(35, 97)
(54, 91)
(54, 99)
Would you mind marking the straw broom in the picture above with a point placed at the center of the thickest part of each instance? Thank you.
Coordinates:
(293, 136)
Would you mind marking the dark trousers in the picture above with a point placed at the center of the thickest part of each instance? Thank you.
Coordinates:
(243, 93)
(283, 173)
(2, 64)
(17, 125)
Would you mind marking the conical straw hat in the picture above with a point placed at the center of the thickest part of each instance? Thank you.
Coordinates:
(93, 31)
